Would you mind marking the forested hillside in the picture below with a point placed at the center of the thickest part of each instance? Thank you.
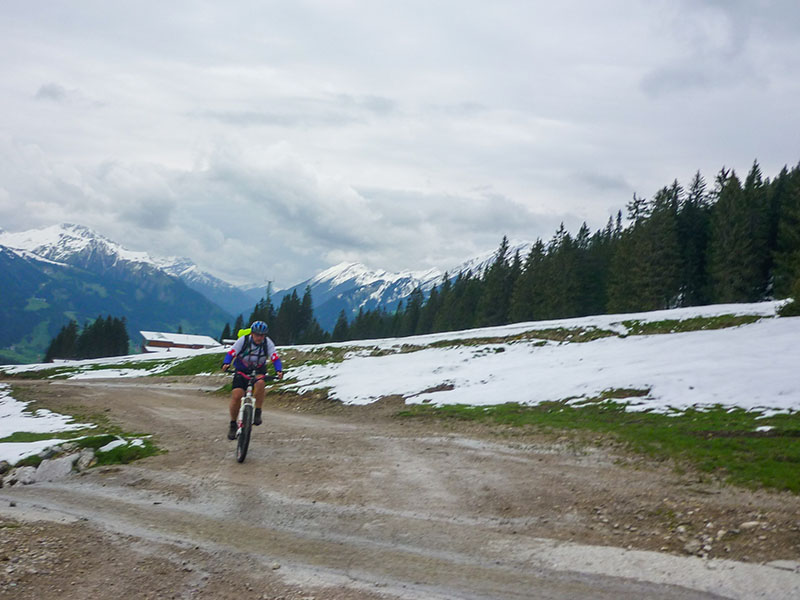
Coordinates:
(732, 241)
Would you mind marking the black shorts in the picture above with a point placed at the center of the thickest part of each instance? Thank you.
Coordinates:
(240, 381)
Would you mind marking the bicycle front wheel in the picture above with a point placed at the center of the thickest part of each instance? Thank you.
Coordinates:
(244, 437)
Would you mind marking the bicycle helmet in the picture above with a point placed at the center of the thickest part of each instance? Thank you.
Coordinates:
(258, 327)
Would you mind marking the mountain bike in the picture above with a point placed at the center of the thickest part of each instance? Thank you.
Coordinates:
(246, 412)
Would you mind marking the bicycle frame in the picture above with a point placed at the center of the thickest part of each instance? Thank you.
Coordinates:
(248, 399)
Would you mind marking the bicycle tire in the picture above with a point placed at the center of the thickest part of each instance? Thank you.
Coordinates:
(244, 437)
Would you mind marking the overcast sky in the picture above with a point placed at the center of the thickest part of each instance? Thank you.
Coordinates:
(271, 140)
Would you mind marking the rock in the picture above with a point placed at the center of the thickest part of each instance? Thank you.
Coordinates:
(24, 475)
(49, 452)
(747, 525)
(56, 468)
(5, 467)
(86, 459)
(692, 547)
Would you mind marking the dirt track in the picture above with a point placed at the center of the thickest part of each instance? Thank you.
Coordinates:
(337, 502)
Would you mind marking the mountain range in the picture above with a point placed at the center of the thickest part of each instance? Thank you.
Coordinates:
(51, 275)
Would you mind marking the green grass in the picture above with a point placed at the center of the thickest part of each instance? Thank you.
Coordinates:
(204, 363)
(30, 461)
(126, 454)
(692, 324)
(720, 441)
(123, 454)
(65, 370)
(100, 432)
(25, 437)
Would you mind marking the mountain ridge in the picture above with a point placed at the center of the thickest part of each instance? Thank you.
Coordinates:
(71, 273)
(347, 286)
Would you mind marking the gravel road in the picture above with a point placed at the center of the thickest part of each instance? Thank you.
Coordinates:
(355, 503)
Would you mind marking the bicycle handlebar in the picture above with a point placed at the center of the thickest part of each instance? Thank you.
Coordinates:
(255, 376)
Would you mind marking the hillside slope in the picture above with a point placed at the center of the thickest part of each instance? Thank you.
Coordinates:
(41, 295)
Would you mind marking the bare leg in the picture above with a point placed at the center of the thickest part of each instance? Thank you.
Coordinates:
(236, 401)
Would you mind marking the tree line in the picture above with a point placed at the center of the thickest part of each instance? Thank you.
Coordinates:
(103, 337)
(734, 241)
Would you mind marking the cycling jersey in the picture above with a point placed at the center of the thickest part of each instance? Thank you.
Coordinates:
(246, 355)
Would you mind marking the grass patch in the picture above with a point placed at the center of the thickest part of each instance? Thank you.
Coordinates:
(720, 441)
(25, 437)
(127, 453)
(204, 363)
(693, 324)
(96, 441)
(122, 454)
(66, 370)
(322, 355)
(30, 461)
(52, 373)
(100, 433)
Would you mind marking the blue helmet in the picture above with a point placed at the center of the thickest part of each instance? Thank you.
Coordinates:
(258, 327)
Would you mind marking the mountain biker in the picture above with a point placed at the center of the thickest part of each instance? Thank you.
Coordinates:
(249, 354)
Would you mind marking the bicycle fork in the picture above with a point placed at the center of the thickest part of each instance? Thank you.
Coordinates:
(246, 399)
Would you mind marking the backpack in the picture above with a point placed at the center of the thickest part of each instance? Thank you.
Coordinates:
(248, 342)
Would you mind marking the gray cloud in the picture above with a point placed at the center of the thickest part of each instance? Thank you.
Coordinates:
(269, 144)
(53, 92)
(340, 110)
(721, 44)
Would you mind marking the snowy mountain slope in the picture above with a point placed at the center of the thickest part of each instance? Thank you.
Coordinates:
(53, 275)
(352, 286)
(79, 246)
(233, 299)
(73, 244)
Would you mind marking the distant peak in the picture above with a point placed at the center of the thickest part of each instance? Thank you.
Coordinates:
(343, 271)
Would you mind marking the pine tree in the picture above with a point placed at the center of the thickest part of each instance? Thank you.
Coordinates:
(101, 338)
(412, 312)
(787, 253)
(524, 294)
(734, 263)
(63, 345)
(238, 325)
(427, 314)
(443, 318)
(693, 233)
(493, 307)
(340, 330)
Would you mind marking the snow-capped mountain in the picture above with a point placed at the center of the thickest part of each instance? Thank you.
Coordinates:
(353, 286)
(73, 245)
(477, 265)
(233, 299)
(82, 247)
(52, 275)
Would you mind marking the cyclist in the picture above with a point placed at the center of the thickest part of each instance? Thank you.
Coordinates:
(249, 354)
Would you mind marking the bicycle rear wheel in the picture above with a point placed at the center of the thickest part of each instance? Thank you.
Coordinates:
(244, 437)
